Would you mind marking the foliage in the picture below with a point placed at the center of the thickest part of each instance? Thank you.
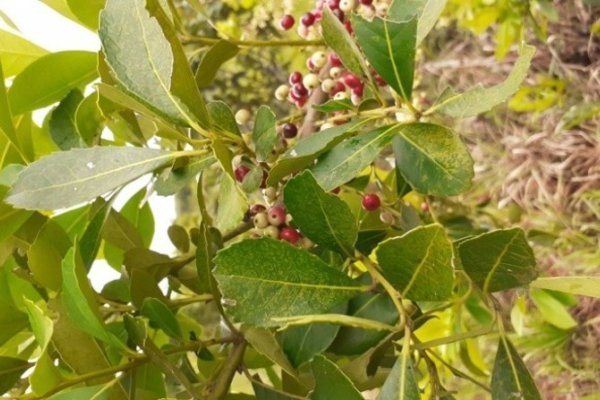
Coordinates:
(334, 300)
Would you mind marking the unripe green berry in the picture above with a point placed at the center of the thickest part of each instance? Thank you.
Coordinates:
(261, 220)
(271, 231)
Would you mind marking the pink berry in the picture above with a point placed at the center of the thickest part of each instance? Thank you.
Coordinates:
(366, 2)
(299, 90)
(351, 80)
(334, 4)
(371, 202)
(256, 208)
(339, 87)
(334, 60)
(290, 131)
(308, 19)
(276, 215)
(240, 172)
(295, 77)
(310, 65)
(358, 90)
(289, 234)
(287, 21)
(338, 13)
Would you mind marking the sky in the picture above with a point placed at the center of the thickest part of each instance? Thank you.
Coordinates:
(50, 30)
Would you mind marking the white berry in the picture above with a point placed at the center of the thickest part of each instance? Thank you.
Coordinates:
(319, 59)
(340, 96)
(242, 116)
(281, 93)
(347, 5)
(335, 72)
(310, 81)
(327, 85)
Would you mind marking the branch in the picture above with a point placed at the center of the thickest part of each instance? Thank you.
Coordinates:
(223, 381)
(252, 43)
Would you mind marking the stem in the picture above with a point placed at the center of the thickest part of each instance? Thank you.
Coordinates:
(458, 372)
(252, 43)
(245, 227)
(227, 372)
(456, 338)
(338, 319)
(131, 365)
(391, 291)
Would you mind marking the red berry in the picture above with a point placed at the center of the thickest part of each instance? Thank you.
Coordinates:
(366, 2)
(256, 208)
(336, 190)
(300, 103)
(334, 4)
(241, 172)
(299, 90)
(295, 77)
(287, 21)
(310, 65)
(351, 80)
(276, 215)
(339, 87)
(308, 19)
(289, 234)
(348, 26)
(371, 202)
(338, 13)
(290, 131)
(358, 90)
(334, 60)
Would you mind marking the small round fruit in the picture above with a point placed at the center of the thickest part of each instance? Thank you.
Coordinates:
(334, 60)
(295, 77)
(299, 90)
(311, 81)
(271, 231)
(339, 87)
(326, 125)
(282, 91)
(276, 215)
(355, 99)
(347, 5)
(327, 85)
(256, 208)
(240, 173)
(260, 220)
(333, 4)
(335, 72)
(242, 116)
(366, 2)
(270, 193)
(371, 202)
(306, 243)
(387, 217)
(289, 234)
(308, 19)
(351, 80)
(289, 131)
(340, 96)
(286, 22)
(319, 59)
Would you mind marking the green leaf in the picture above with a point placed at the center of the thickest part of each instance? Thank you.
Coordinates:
(146, 57)
(264, 134)
(11, 370)
(301, 343)
(419, 263)
(69, 178)
(263, 279)
(46, 253)
(143, 285)
(87, 11)
(17, 53)
(264, 342)
(579, 285)
(331, 382)
(209, 65)
(231, 205)
(176, 179)
(89, 244)
(401, 383)
(149, 382)
(162, 316)
(264, 392)
(307, 150)
(428, 12)
(339, 40)
(45, 375)
(479, 99)
(323, 218)
(378, 307)
(79, 301)
(335, 105)
(62, 126)
(390, 47)
(41, 325)
(510, 377)
(98, 392)
(552, 310)
(89, 120)
(205, 252)
(223, 117)
(433, 159)
(12, 321)
(498, 260)
(347, 159)
(50, 78)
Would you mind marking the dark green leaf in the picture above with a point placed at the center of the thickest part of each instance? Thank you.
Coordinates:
(510, 378)
(401, 383)
(479, 99)
(50, 78)
(72, 177)
(162, 316)
(149, 382)
(428, 12)
(62, 126)
(89, 120)
(89, 244)
(10, 372)
(222, 117)
(147, 59)
(498, 260)
(264, 392)
(264, 134)
(174, 180)
(205, 252)
(308, 149)
(263, 279)
(87, 11)
(419, 263)
(330, 382)
(12, 321)
(179, 237)
(579, 285)
(143, 286)
(347, 159)
(433, 159)
(323, 218)
(98, 392)
(217, 55)
(390, 47)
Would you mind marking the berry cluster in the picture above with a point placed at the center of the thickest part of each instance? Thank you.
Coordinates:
(277, 224)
